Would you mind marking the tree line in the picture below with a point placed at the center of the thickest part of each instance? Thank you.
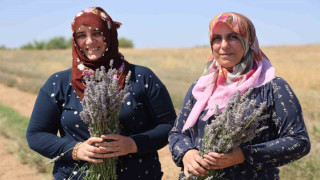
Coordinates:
(63, 43)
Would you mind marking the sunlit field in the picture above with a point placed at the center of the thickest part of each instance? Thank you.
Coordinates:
(178, 68)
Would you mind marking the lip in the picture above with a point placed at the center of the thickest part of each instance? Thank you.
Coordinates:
(93, 49)
(226, 54)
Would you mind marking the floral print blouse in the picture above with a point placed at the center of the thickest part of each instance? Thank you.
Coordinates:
(285, 140)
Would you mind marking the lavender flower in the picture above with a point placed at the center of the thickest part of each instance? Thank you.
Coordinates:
(237, 124)
(55, 159)
(102, 103)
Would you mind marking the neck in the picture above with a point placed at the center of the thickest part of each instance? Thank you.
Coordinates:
(229, 69)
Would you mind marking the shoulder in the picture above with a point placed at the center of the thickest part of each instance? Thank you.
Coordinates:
(189, 94)
(140, 70)
(280, 86)
(282, 91)
(278, 81)
(272, 91)
(273, 86)
(61, 75)
(58, 80)
(193, 85)
(144, 75)
(144, 81)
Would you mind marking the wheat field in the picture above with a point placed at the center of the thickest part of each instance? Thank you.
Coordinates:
(178, 68)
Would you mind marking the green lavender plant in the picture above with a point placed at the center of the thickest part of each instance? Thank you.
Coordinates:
(101, 108)
(237, 124)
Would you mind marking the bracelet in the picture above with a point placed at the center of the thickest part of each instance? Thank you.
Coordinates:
(75, 151)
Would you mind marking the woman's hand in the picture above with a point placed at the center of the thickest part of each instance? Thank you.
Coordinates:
(220, 161)
(121, 145)
(193, 163)
(90, 153)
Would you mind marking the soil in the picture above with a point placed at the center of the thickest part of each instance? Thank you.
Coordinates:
(10, 166)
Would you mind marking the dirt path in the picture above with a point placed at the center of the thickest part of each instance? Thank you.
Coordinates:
(10, 166)
(22, 102)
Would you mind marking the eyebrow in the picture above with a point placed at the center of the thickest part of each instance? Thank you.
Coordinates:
(232, 33)
(80, 32)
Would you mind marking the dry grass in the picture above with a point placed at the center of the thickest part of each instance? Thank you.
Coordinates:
(178, 68)
(299, 66)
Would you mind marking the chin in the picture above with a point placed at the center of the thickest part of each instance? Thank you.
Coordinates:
(227, 65)
(93, 58)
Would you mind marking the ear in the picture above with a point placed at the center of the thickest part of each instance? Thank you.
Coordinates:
(118, 24)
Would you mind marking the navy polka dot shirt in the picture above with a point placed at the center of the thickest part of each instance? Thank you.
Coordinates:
(147, 115)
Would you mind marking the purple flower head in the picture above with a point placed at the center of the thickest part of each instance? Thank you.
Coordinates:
(87, 73)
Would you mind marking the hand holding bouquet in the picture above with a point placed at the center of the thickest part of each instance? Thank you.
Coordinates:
(101, 108)
(237, 124)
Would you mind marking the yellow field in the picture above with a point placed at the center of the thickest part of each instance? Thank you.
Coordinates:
(178, 68)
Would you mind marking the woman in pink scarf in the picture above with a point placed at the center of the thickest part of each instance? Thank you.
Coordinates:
(236, 64)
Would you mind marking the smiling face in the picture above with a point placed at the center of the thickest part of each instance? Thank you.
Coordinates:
(226, 46)
(91, 42)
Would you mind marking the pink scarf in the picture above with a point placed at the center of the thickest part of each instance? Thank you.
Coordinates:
(208, 100)
(210, 91)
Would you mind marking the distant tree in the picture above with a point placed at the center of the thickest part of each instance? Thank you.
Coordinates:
(69, 43)
(27, 46)
(63, 43)
(3, 47)
(57, 43)
(125, 43)
(39, 45)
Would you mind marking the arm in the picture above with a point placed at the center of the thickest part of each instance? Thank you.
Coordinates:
(43, 127)
(180, 142)
(292, 140)
(160, 108)
(184, 152)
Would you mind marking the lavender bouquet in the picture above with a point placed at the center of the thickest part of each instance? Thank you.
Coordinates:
(237, 124)
(101, 108)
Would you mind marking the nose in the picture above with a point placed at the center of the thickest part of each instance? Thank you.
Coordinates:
(224, 44)
(89, 39)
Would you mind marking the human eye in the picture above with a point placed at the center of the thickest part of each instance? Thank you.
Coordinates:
(233, 37)
(216, 38)
(80, 35)
(97, 33)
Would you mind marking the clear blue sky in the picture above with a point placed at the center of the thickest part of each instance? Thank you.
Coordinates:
(162, 23)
